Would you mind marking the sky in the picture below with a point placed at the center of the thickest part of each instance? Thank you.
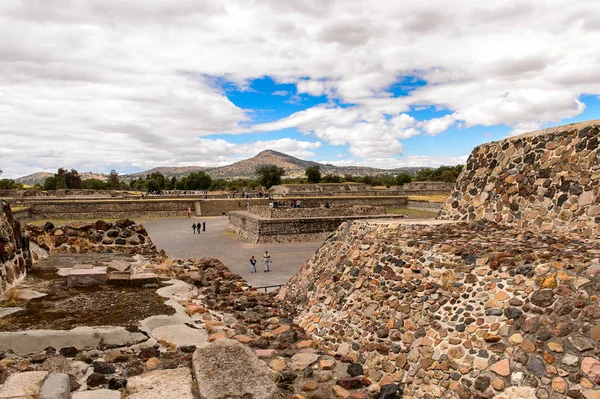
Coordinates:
(129, 85)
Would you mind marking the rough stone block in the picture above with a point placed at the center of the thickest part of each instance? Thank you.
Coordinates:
(118, 278)
(56, 386)
(161, 384)
(86, 277)
(141, 279)
(240, 372)
(23, 385)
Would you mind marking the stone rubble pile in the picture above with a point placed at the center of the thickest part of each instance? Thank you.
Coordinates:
(457, 310)
(547, 179)
(79, 237)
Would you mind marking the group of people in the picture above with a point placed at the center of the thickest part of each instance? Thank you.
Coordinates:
(266, 259)
(199, 227)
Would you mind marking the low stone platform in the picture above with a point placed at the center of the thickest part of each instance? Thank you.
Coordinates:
(259, 229)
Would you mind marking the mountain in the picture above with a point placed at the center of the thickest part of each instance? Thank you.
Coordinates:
(293, 166)
(40, 177)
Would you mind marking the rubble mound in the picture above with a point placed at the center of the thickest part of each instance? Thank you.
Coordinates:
(79, 237)
(457, 310)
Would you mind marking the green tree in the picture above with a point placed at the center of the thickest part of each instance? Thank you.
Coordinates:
(73, 180)
(9, 184)
(94, 184)
(195, 181)
(313, 174)
(61, 185)
(113, 180)
(153, 185)
(160, 178)
(329, 178)
(269, 175)
(402, 178)
(50, 183)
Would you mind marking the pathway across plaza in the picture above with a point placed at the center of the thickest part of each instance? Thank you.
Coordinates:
(176, 237)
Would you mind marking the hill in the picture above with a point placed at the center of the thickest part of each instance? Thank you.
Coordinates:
(244, 169)
(40, 177)
(293, 166)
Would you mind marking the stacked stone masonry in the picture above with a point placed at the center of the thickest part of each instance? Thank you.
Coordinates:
(291, 213)
(548, 179)
(457, 310)
(15, 257)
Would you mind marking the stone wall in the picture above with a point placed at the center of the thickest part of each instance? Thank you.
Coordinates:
(428, 186)
(549, 179)
(114, 209)
(425, 205)
(137, 208)
(339, 210)
(217, 207)
(15, 257)
(457, 310)
(263, 230)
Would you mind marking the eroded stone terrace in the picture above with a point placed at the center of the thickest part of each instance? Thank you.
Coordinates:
(458, 310)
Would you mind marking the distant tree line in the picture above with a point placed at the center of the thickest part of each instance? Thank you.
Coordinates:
(267, 176)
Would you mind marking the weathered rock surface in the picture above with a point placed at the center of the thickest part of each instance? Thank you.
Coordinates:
(161, 384)
(226, 368)
(34, 341)
(456, 310)
(15, 256)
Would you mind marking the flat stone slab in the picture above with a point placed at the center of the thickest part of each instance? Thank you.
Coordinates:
(29, 294)
(23, 385)
(98, 394)
(82, 266)
(141, 279)
(34, 341)
(180, 335)
(176, 288)
(119, 265)
(64, 271)
(226, 368)
(161, 384)
(180, 317)
(86, 277)
(56, 386)
(8, 311)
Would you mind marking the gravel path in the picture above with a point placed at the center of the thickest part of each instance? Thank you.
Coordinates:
(175, 236)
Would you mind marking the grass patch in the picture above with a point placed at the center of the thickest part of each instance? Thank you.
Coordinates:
(430, 198)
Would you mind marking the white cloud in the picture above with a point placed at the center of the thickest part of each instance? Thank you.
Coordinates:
(123, 82)
(408, 161)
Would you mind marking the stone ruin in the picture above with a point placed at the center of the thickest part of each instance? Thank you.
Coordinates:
(81, 237)
(549, 179)
(15, 257)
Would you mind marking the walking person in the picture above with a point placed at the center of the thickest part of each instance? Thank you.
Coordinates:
(267, 259)
(194, 228)
(252, 264)
(203, 226)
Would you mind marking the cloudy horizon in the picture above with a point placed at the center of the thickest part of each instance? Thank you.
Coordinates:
(97, 85)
